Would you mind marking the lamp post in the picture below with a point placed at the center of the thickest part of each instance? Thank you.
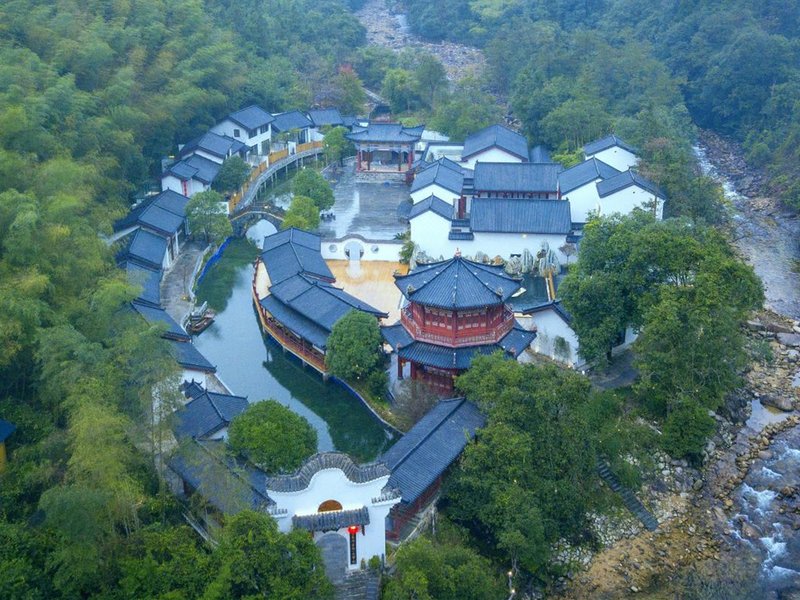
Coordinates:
(511, 591)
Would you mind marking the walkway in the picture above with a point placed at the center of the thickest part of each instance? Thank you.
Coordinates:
(176, 285)
(630, 501)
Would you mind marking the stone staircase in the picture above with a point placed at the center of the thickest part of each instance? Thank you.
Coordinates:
(630, 501)
(364, 584)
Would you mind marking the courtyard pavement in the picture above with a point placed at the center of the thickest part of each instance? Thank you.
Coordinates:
(176, 285)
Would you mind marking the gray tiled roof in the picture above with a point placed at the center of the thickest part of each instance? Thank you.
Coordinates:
(386, 133)
(291, 252)
(225, 484)
(516, 341)
(325, 116)
(440, 173)
(457, 283)
(292, 320)
(214, 144)
(331, 520)
(520, 215)
(147, 248)
(292, 119)
(496, 136)
(318, 301)
(555, 305)
(516, 177)
(149, 279)
(431, 446)
(624, 180)
(207, 413)
(586, 172)
(166, 200)
(195, 167)
(432, 203)
(189, 357)
(251, 117)
(301, 479)
(6, 429)
(396, 335)
(155, 315)
(163, 221)
(607, 142)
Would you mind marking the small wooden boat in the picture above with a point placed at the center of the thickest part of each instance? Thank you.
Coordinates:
(199, 319)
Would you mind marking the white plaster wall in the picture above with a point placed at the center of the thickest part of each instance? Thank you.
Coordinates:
(430, 232)
(198, 376)
(226, 127)
(170, 182)
(624, 201)
(333, 484)
(617, 157)
(434, 190)
(333, 249)
(262, 281)
(582, 201)
(453, 152)
(491, 155)
(549, 325)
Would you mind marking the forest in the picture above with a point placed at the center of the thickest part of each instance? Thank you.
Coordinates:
(93, 94)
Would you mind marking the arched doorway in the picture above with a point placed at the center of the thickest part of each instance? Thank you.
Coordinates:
(334, 554)
(353, 250)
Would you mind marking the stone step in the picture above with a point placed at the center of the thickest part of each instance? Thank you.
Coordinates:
(359, 585)
(628, 498)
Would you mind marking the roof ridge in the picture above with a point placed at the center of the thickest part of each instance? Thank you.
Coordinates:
(486, 285)
(458, 402)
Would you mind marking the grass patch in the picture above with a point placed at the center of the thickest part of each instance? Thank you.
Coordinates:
(217, 286)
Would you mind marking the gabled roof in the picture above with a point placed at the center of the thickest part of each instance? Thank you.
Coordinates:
(229, 486)
(386, 133)
(292, 119)
(539, 154)
(619, 182)
(214, 144)
(325, 116)
(189, 357)
(149, 279)
(520, 215)
(516, 177)
(251, 117)
(162, 221)
(457, 283)
(496, 136)
(167, 200)
(155, 315)
(207, 413)
(555, 306)
(195, 167)
(318, 301)
(301, 478)
(607, 142)
(431, 446)
(396, 336)
(295, 322)
(292, 252)
(147, 248)
(434, 204)
(586, 172)
(331, 520)
(444, 173)
(6, 429)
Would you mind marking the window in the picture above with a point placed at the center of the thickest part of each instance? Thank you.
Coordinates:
(252, 133)
(237, 133)
(329, 505)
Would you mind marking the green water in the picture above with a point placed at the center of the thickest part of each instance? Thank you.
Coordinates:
(257, 368)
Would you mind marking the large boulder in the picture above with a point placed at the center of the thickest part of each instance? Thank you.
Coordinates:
(789, 339)
(780, 402)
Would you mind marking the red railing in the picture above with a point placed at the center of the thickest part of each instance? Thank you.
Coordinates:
(457, 339)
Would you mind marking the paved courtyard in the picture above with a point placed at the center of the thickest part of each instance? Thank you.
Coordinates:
(372, 282)
(368, 209)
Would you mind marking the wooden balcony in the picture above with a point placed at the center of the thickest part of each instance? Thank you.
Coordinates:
(457, 338)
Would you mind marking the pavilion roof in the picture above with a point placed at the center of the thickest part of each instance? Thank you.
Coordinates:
(386, 133)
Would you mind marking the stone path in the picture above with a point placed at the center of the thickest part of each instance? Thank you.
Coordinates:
(176, 285)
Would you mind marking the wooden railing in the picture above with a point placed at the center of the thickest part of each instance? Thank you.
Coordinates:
(458, 340)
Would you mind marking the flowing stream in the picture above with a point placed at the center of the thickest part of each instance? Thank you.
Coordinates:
(769, 241)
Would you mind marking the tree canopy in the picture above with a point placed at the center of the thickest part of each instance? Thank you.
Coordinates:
(354, 346)
(207, 215)
(272, 437)
(311, 184)
(303, 213)
(232, 175)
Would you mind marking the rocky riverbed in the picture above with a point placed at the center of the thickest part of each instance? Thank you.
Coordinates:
(387, 27)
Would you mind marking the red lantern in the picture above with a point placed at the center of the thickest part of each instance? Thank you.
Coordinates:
(352, 530)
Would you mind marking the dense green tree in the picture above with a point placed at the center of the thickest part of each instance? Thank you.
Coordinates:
(354, 346)
(207, 216)
(272, 437)
(431, 78)
(232, 175)
(311, 184)
(303, 213)
(254, 560)
(442, 571)
(349, 96)
(399, 88)
(337, 146)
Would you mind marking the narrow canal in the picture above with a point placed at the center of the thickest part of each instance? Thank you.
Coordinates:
(253, 366)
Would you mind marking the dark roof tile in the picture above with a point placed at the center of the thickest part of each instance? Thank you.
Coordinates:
(331, 520)
(516, 177)
(292, 119)
(325, 116)
(208, 413)
(386, 133)
(251, 117)
(440, 173)
(624, 180)
(496, 136)
(520, 215)
(586, 172)
(432, 203)
(301, 479)
(609, 141)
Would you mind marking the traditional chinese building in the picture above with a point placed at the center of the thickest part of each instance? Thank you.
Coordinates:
(456, 309)
(386, 147)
